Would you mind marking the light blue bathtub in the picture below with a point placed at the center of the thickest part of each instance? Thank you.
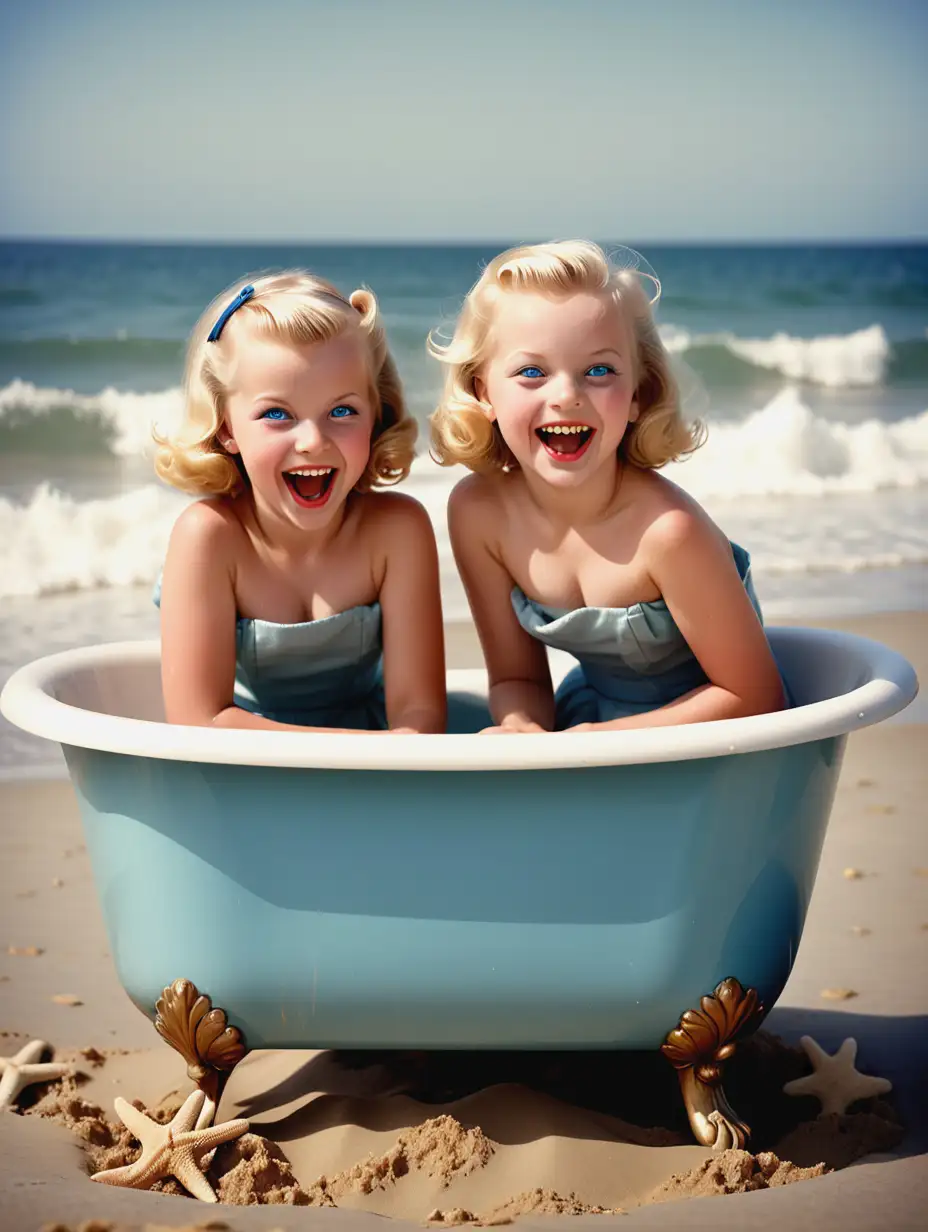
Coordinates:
(541, 891)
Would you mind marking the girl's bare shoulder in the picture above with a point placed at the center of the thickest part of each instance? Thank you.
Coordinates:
(207, 546)
(488, 495)
(213, 524)
(387, 514)
(670, 517)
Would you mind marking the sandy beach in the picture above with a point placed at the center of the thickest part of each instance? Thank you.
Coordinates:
(406, 1136)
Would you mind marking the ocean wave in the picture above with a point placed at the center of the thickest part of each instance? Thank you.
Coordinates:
(55, 543)
(863, 358)
(111, 421)
(12, 296)
(786, 450)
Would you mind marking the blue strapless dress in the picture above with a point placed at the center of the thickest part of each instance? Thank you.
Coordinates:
(320, 673)
(317, 673)
(630, 659)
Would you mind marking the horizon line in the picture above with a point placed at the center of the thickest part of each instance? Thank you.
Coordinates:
(458, 241)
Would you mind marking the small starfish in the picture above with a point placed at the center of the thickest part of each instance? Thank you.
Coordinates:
(834, 1081)
(26, 1068)
(176, 1149)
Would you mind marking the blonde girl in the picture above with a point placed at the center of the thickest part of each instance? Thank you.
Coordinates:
(559, 396)
(294, 594)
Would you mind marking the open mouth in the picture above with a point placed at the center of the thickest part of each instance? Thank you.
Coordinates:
(565, 441)
(311, 486)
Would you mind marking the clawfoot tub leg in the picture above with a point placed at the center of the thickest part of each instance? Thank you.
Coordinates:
(201, 1034)
(698, 1048)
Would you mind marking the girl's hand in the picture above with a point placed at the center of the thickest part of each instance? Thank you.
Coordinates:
(513, 729)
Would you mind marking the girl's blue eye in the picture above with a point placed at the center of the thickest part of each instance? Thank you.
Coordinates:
(276, 413)
(600, 370)
(531, 372)
(342, 412)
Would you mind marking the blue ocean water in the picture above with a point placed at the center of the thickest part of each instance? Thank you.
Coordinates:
(808, 362)
(87, 316)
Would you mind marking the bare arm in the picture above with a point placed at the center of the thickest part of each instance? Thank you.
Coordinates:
(413, 637)
(693, 568)
(198, 615)
(521, 696)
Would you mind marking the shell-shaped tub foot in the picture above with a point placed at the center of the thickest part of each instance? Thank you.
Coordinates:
(188, 1021)
(698, 1048)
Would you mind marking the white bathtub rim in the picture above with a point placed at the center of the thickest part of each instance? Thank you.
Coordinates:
(26, 702)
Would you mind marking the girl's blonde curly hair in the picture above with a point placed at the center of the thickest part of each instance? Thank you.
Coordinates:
(301, 309)
(462, 431)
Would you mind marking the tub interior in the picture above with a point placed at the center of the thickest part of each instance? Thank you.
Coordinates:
(130, 686)
(132, 690)
(127, 690)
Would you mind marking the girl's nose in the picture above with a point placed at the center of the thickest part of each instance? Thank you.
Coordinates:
(309, 437)
(564, 393)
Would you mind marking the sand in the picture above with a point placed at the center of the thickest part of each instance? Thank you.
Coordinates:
(447, 1140)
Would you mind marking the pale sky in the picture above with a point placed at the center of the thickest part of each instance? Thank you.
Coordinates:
(351, 119)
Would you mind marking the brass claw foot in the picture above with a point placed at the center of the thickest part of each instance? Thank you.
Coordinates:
(201, 1034)
(698, 1048)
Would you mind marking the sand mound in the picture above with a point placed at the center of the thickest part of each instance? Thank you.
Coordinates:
(840, 1140)
(107, 1144)
(252, 1171)
(441, 1148)
(735, 1172)
(492, 1141)
(532, 1202)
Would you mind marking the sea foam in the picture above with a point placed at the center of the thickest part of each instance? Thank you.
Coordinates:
(123, 419)
(52, 542)
(835, 361)
(786, 450)
(126, 417)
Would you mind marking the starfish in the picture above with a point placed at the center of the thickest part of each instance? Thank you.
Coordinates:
(834, 1081)
(26, 1068)
(176, 1149)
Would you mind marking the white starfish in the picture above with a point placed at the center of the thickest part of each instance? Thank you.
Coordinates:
(176, 1149)
(26, 1068)
(834, 1081)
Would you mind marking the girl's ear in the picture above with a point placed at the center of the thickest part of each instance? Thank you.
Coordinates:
(226, 439)
(480, 389)
(634, 410)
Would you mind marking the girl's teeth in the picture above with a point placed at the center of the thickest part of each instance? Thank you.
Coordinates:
(563, 429)
(325, 470)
